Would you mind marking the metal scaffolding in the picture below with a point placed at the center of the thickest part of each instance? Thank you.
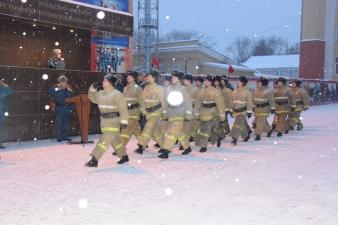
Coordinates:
(148, 33)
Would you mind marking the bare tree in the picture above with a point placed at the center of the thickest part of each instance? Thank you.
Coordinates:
(241, 49)
(270, 46)
(293, 49)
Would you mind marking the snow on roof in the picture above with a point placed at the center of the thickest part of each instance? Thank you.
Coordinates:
(273, 61)
(226, 66)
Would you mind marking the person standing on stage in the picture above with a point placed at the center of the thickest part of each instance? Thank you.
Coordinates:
(5, 91)
(114, 118)
(60, 92)
(56, 61)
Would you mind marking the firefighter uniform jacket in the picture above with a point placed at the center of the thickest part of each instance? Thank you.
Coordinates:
(152, 100)
(112, 105)
(284, 100)
(301, 98)
(263, 101)
(182, 111)
(241, 101)
(193, 93)
(132, 93)
(210, 105)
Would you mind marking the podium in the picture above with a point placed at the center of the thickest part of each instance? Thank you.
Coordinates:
(82, 106)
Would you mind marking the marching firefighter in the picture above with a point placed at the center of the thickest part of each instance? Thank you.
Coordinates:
(302, 104)
(191, 126)
(132, 94)
(220, 131)
(177, 110)
(263, 105)
(227, 92)
(152, 101)
(274, 121)
(5, 91)
(242, 108)
(199, 82)
(210, 109)
(284, 105)
(114, 118)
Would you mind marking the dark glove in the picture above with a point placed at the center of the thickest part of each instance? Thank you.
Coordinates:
(98, 86)
(273, 111)
(249, 115)
(166, 119)
(293, 108)
(123, 126)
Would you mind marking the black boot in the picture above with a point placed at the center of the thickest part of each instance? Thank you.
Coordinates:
(181, 148)
(258, 138)
(191, 139)
(219, 142)
(279, 134)
(187, 151)
(234, 141)
(203, 150)
(300, 126)
(164, 154)
(140, 150)
(92, 163)
(247, 138)
(157, 145)
(124, 159)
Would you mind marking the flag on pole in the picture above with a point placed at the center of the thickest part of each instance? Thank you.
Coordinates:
(231, 69)
(155, 63)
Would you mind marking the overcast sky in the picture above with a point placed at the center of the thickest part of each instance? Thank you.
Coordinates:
(224, 20)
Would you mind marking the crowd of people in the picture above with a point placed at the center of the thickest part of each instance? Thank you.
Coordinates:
(186, 110)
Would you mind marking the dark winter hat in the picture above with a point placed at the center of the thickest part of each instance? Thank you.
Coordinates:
(177, 74)
(199, 78)
(167, 77)
(282, 79)
(218, 78)
(111, 79)
(211, 78)
(154, 74)
(188, 77)
(298, 83)
(134, 74)
(243, 80)
(264, 81)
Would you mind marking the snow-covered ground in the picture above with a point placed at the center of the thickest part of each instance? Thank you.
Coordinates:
(280, 181)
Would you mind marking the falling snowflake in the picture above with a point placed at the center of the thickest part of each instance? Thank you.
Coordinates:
(83, 204)
(45, 76)
(168, 191)
(6, 114)
(237, 180)
(139, 161)
(275, 143)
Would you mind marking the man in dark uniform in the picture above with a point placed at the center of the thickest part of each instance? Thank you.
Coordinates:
(57, 62)
(5, 91)
(59, 93)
